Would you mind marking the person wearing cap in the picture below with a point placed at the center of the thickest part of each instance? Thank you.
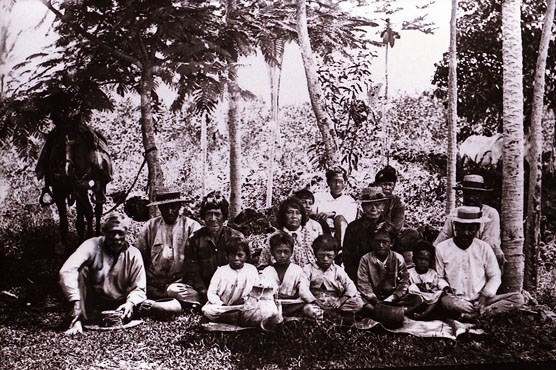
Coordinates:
(162, 243)
(104, 273)
(394, 209)
(474, 192)
(334, 206)
(359, 233)
(470, 268)
(206, 249)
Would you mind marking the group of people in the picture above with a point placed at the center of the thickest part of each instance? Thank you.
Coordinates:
(330, 256)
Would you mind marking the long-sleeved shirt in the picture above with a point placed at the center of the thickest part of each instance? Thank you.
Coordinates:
(163, 247)
(112, 277)
(489, 232)
(334, 279)
(293, 285)
(470, 272)
(357, 243)
(344, 205)
(394, 212)
(382, 279)
(204, 254)
(302, 253)
(228, 285)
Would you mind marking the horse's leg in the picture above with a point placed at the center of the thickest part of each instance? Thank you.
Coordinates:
(98, 215)
(88, 213)
(60, 201)
(80, 220)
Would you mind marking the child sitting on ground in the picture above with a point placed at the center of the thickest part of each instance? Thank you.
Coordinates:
(424, 280)
(291, 287)
(231, 284)
(382, 277)
(336, 294)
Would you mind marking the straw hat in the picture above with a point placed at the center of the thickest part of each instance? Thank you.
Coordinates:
(372, 194)
(472, 182)
(165, 196)
(469, 215)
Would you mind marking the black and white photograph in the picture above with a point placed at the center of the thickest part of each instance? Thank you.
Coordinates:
(277, 184)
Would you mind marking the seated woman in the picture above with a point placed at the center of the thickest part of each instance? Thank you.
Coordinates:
(382, 276)
(231, 284)
(308, 200)
(291, 219)
(291, 287)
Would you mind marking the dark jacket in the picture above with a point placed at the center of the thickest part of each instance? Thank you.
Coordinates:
(357, 243)
(394, 212)
(203, 255)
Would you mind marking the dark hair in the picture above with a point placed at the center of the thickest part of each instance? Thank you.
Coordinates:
(387, 174)
(325, 243)
(294, 203)
(331, 172)
(236, 244)
(214, 200)
(280, 238)
(387, 229)
(304, 194)
(423, 245)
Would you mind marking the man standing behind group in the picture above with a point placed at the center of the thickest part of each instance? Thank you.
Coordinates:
(474, 192)
(394, 209)
(335, 207)
(206, 250)
(162, 243)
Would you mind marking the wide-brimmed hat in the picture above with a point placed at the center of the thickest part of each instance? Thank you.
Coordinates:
(372, 194)
(472, 182)
(469, 215)
(168, 196)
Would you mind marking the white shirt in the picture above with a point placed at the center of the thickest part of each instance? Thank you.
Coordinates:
(344, 205)
(470, 272)
(228, 285)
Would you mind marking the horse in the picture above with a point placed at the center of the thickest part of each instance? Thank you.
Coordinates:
(75, 162)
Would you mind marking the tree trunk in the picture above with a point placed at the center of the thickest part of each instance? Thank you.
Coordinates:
(235, 148)
(275, 72)
(533, 230)
(204, 118)
(156, 176)
(452, 113)
(315, 91)
(512, 181)
(385, 108)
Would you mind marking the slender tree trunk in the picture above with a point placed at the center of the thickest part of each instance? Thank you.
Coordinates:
(512, 181)
(533, 230)
(235, 149)
(452, 113)
(204, 118)
(315, 91)
(275, 72)
(385, 107)
(233, 129)
(156, 176)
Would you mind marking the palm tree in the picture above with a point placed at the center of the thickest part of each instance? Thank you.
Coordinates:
(532, 236)
(452, 113)
(512, 181)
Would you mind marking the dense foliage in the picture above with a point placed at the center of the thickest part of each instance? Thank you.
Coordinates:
(479, 69)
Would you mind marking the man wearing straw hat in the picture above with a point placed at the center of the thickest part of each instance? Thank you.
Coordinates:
(469, 266)
(359, 233)
(104, 273)
(162, 243)
(474, 191)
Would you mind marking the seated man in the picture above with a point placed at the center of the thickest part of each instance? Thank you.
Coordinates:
(474, 192)
(206, 249)
(162, 243)
(335, 207)
(470, 268)
(104, 273)
(359, 233)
